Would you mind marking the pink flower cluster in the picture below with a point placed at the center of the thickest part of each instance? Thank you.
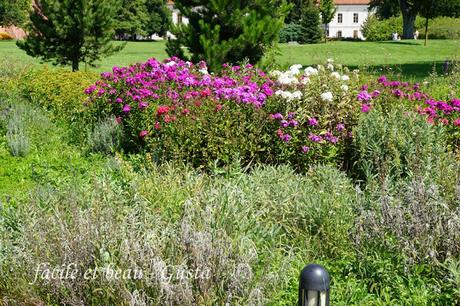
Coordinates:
(307, 134)
(444, 112)
(175, 87)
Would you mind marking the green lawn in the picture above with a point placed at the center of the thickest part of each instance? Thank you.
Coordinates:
(410, 58)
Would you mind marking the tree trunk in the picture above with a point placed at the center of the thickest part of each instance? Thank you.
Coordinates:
(426, 30)
(75, 65)
(408, 25)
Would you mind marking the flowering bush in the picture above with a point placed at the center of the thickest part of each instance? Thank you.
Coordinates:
(385, 94)
(179, 111)
(317, 111)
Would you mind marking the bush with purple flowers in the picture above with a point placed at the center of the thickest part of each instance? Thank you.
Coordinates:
(177, 110)
(386, 94)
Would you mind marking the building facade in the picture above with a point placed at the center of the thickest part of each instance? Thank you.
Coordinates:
(348, 19)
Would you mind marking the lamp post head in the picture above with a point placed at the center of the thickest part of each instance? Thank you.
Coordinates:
(315, 277)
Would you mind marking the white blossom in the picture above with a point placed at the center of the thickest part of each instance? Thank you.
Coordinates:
(336, 75)
(344, 87)
(296, 94)
(310, 71)
(345, 77)
(171, 63)
(330, 67)
(330, 60)
(204, 71)
(327, 96)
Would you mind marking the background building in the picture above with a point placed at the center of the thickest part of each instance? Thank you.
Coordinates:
(349, 17)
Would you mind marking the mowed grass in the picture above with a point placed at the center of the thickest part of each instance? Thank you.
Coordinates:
(410, 58)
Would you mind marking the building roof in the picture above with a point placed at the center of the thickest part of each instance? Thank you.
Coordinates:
(356, 2)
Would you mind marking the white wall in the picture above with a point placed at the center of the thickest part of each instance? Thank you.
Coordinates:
(348, 26)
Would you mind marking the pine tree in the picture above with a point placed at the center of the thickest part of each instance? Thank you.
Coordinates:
(159, 19)
(310, 23)
(230, 31)
(71, 31)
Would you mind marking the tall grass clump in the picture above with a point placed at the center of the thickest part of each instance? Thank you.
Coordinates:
(105, 137)
(238, 240)
(17, 140)
(397, 144)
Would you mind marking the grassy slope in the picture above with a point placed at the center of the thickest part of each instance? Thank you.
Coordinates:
(411, 57)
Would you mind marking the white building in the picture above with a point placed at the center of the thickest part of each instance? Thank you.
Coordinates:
(177, 17)
(348, 19)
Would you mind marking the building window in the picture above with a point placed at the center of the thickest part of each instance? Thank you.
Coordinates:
(339, 34)
(339, 18)
(355, 34)
(355, 18)
(179, 18)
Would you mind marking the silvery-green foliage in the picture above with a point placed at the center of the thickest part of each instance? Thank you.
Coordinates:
(105, 137)
(18, 142)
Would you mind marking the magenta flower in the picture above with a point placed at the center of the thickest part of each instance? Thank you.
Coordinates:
(365, 108)
(340, 127)
(284, 123)
(457, 122)
(286, 137)
(126, 108)
(119, 100)
(312, 122)
(143, 104)
(277, 116)
(118, 119)
(305, 149)
(315, 138)
(143, 133)
(364, 96)
(382, 79)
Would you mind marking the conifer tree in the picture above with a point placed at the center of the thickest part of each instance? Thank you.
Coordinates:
(71, 31)
(230, 31)
(310, 23)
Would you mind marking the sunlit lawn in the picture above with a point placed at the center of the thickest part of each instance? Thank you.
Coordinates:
(409, 57)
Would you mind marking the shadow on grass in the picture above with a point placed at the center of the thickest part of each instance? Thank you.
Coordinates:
(401, 42)
(408, 71)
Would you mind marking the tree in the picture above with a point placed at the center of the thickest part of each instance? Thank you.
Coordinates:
(131, 18)
(310, 23)
(230, 31)
(159, 17)
(411, 8)
(14, 11)
(71, 31)
(327, 9)
(295, 13)
(385, 8)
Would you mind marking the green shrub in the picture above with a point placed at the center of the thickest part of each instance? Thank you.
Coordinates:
(439, 28)
(396, 144)
(59, 91)
(290, 32)
(378, 30)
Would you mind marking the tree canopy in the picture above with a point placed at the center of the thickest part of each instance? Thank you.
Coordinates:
(69, 32)
(14, 11)
(230, 31)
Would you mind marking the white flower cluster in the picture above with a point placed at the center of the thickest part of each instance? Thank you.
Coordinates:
(289, 96)
(293, 76)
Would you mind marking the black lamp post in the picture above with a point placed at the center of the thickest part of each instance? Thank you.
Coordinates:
(314, 286)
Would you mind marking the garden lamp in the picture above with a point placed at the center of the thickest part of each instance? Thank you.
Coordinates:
(314, 286)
